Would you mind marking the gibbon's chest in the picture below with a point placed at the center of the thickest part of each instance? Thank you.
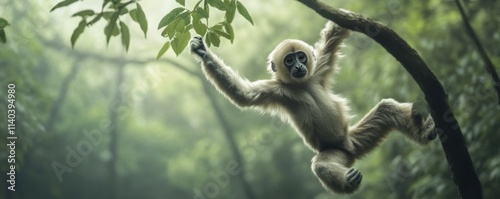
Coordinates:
(318, 117)
(316, 110)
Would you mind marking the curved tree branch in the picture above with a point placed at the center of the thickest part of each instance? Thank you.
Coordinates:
(482, 52)
(452, 140)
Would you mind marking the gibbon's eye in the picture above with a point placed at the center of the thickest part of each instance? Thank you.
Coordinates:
(289, 60)
(302, 57)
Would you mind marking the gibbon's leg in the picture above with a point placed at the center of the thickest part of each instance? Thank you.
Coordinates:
(331, 167)
(387, 115)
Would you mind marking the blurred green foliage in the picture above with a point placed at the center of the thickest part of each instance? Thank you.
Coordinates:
(171, 142)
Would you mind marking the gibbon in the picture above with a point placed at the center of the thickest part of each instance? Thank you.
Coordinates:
(300, 93)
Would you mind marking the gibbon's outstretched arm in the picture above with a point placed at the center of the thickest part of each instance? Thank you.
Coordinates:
(326, 50)
(240, 91)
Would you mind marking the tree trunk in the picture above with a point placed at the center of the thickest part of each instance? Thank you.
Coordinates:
(228, 132)
(113, 143)
(54, 111)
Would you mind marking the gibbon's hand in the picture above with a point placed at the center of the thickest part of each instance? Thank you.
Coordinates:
(197, 46)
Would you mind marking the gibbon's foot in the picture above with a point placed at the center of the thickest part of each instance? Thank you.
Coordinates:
(197, 46)
(354, 177)
(427, 127)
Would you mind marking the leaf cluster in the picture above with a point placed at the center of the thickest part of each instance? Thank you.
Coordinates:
(176, 24)
(112, 11)
(179, 21)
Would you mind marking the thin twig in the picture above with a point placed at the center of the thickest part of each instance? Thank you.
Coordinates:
(482, 52)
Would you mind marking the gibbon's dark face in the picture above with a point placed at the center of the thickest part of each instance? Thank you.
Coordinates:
(292, 61)
(296, 62)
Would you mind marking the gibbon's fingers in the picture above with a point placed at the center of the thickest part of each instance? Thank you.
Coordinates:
(197, 46)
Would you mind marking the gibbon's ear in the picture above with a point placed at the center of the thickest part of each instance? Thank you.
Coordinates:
(273, 67)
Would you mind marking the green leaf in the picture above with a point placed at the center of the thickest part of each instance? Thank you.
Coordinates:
(163, 49)
(3, 23)
(182, 42)
(109, 30)
(63, 4)
(182, 2)
(84, 13)
(180, 26)
(214, 38)
(3, 37)
(116, 31)
(222, 33)
(230, 12)
(125, 35)
(185, 16)
(229, 29)
(123, 11)
(208, 41)
(243, 11)
(189, 27)
(77, 32)
(141, 17)
(164, 33)
(175, 46)
(217, 4)
(206, 8)
(199, 27)
(133, 14)
(170, 29)
(168, 18)
(96, 18)
(184, 39)
(218, 26)
(202, 12)
(107, 15)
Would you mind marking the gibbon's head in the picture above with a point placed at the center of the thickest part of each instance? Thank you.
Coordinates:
(292, 61)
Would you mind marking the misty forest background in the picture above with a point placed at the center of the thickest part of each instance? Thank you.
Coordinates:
(174, 136)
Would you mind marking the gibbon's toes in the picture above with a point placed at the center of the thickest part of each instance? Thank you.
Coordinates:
(354, 177)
